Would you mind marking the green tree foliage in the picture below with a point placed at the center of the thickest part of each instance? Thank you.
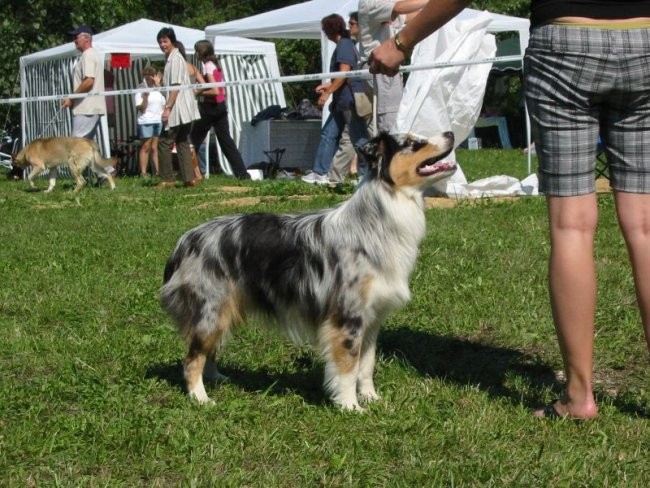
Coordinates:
(518, 8)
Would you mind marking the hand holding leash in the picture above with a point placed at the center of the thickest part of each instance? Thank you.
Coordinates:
(386, 59)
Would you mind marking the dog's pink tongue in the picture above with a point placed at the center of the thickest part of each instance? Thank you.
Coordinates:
(437, 167)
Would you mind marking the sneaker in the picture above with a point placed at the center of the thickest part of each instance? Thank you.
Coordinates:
(315, 178)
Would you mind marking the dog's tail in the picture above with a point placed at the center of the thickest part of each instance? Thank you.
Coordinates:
(175, 260)
(99, 164)
(170, 268)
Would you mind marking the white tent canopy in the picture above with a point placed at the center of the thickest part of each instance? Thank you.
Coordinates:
(49, 72)
(302, 21)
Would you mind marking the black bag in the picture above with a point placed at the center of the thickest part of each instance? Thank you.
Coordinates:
(269, 113)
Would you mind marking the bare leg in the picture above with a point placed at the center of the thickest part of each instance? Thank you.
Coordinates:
(144, 156)
(154, 155)
(634, 218)
(572, 281)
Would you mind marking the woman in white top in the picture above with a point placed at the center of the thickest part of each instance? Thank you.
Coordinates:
(150, 107)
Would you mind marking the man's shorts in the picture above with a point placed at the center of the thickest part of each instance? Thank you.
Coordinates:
(582, 83)
(85, 125)
(147, 131)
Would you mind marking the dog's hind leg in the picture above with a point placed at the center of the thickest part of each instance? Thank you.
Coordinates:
(206, 339)
(365, 384)
(340, 344)
(193, 369)
(211, 371)
(79, 181)
(98, 169)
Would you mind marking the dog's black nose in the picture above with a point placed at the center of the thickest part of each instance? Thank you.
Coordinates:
(449, 135)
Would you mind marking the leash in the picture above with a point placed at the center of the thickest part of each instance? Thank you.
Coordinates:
(374, 104)
(56, 116)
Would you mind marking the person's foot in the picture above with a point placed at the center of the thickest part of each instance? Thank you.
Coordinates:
(314, 178)
(190, 184)
(560, 409)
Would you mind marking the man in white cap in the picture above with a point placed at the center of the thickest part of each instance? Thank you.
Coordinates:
(88, 76)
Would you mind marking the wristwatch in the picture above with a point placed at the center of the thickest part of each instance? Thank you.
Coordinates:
(400, 45)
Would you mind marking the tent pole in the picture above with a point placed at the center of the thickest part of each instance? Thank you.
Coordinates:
(528, 152)
(206, 150)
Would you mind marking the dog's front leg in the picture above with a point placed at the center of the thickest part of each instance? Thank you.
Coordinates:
(340, 345)
(36, 170)
(52, 179)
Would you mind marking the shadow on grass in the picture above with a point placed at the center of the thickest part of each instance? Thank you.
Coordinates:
(306, 383)
(499, 371)
(489, 368)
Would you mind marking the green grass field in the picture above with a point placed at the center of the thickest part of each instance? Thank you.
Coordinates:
(91, 390)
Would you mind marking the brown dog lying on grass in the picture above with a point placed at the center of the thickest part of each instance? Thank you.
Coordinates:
(76, 152)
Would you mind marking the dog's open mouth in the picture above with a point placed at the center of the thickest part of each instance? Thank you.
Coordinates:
(434, 166)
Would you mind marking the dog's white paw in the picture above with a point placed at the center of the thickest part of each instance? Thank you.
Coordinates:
(353, 407)
(368, 395)
(203, 399)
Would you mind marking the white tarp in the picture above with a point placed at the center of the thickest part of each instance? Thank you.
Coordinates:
(494, 186)
(449, 98)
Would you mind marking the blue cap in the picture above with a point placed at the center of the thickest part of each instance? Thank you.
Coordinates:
(82, 29)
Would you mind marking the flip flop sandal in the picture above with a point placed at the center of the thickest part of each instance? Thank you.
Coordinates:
(550, 412)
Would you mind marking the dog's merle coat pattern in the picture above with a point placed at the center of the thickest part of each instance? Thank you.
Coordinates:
(327, 277)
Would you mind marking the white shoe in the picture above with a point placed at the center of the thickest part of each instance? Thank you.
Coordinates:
(315, 178)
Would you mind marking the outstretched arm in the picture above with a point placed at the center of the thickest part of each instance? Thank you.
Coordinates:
(388, 57)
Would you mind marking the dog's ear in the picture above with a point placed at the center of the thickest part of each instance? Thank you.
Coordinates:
(377, 150)
(372, 149)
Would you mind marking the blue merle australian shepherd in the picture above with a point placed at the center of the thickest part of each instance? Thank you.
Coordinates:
(328, 277)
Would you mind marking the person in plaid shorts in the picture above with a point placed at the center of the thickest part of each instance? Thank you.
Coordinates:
(586, 75)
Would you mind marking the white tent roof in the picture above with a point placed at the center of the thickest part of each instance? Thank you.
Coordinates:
(302, 21)
(299, 21)
(139, 39)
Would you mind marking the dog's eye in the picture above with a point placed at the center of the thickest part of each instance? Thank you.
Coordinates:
(417, 145)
